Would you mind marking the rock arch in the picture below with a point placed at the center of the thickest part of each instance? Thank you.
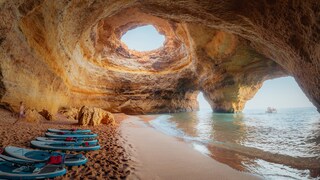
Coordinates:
(226, 49)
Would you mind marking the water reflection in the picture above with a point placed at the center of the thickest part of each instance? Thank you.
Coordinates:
(268, 145)
(208, 127)
(219, 126)
(186, 122)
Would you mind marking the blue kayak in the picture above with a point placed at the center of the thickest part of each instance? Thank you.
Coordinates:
(78, 136)
(67, 140)
(64, 147)
(12, 168)
(70, 131)
(44, 156)
(14, 160)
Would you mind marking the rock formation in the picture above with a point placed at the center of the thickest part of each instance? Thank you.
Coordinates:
(108, 119)
(32, 115)
(69, 53)
(93, 116)
(69, 112)
(44, 113)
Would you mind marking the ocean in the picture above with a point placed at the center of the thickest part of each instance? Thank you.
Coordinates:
(282, 145)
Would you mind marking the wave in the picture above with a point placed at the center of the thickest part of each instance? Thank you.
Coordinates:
(295, 162)
(163, 124)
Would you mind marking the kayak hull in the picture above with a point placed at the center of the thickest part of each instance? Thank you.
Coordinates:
(8, 170)
(78, 136)
(70, 131)
(73, 141)
(41, 156)
(63, 147)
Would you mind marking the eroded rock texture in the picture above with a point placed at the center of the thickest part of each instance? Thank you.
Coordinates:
(32, 115)
(94, 116)
(68, 53)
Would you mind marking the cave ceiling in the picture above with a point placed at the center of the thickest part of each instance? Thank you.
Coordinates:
(69, 53)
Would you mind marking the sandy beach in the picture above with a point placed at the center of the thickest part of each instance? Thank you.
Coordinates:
(163, 157)
(110, 162)
(131, 150)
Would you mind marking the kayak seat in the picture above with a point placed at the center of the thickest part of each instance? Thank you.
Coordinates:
(50, 168)
(70, 139)
(55, 160)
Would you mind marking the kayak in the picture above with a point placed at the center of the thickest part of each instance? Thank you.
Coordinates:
(78, 136)
(69, 140)
(64, 147)
(12, 168)
(70, 131)
(44, 156)
(14, 160)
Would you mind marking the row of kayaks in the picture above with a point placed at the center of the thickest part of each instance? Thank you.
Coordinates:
(22, 163)
(63, 139)
(70, 131)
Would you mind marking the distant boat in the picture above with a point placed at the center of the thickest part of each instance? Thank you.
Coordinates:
(271, 110)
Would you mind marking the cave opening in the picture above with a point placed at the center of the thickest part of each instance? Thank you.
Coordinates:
(143, 38)
(279, 93)
(203, 103)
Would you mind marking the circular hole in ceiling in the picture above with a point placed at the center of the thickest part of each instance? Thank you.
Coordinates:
(143, 38)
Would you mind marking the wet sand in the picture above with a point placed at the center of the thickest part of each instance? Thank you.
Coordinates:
(131, 150)
(164, 157)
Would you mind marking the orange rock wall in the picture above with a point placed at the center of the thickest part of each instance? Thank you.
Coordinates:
(68, 53)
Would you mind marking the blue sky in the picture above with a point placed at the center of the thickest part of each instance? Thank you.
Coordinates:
(278, 93)
(144, 38)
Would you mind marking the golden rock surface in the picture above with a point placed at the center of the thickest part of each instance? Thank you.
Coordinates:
(31, 115)
(68, 53)
(93, 116)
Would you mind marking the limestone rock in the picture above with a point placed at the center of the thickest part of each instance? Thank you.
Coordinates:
(46, 115)
(70, 113)
(32, 115)
(226, 49)
(6, 106)
(2, 87)
(94, 116)
(108, 119)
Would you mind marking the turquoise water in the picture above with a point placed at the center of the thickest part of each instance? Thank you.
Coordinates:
(284, 145)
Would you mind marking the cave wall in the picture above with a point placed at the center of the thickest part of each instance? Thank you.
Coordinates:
(230, 71)
(69, 53)
(2, 87)
(285, 31)
(26, 76)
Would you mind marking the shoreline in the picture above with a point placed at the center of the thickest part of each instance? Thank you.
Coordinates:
(220, 137)
(165, 157)
(131, 150)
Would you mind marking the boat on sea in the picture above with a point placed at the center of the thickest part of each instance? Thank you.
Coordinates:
(271, 110)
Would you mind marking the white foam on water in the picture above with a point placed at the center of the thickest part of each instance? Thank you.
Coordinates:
(287, 143)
